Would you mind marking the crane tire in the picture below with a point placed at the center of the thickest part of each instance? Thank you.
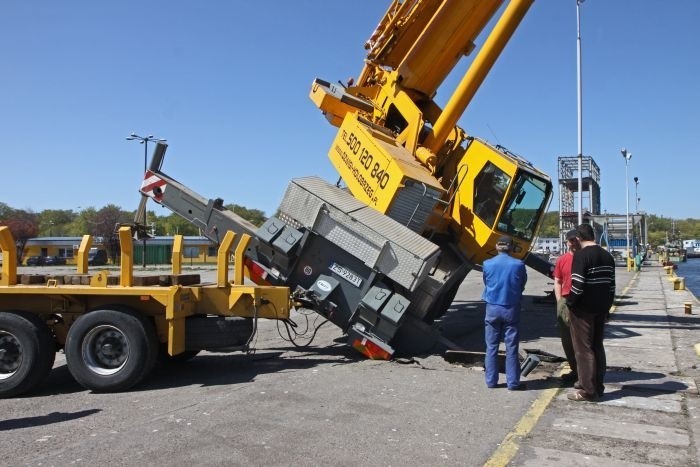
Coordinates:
(442, 304)
(111, 349)
(27, 352)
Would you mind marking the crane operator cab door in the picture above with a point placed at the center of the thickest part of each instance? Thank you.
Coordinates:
(501, 194)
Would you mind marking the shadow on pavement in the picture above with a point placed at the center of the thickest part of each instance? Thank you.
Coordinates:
(59, 381)
(622, 323)
(212, 369)
(650, 381)
(463, 324)
(624, 303)
(215, 370)
(53, 417)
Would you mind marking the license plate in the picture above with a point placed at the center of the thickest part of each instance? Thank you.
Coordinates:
(346, 274)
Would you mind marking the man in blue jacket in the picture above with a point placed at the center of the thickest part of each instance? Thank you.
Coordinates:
(504, 278)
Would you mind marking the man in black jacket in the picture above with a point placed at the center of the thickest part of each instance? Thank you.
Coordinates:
(591, 297)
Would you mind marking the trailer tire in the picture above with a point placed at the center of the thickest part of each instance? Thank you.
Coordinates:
(111, 350)
(27, 352)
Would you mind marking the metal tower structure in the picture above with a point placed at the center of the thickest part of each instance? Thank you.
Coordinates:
(568, 188)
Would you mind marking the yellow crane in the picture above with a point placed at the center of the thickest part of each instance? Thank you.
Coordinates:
(423, 202)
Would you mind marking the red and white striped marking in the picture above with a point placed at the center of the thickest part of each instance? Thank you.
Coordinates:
(153, 186)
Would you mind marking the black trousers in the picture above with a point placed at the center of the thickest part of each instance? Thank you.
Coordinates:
(587, 330)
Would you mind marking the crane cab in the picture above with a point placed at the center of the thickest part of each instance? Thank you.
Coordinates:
(498, 194)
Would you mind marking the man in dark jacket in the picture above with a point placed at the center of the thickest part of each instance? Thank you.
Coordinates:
(504, 278)
(591, 297)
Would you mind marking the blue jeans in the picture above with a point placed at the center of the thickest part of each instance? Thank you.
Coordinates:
(502, 323)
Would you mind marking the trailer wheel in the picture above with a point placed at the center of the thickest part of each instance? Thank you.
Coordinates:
(111, 350)
(27, 352)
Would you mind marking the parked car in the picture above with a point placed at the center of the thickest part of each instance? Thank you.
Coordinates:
(54, 260)
(34, 261)
(97, 257)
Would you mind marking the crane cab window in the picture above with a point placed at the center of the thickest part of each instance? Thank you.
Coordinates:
(525, 206)
(490, 187)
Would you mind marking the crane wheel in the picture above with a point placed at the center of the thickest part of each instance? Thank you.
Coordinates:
(111, 350)
(442, 304)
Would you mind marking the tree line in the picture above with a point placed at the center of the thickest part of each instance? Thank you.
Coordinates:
(103, 222)
(26, 224)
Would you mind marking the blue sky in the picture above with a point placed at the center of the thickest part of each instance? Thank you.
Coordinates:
(227, 83)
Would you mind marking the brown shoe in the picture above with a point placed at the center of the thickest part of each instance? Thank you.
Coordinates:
(579, 396)
(601, 390)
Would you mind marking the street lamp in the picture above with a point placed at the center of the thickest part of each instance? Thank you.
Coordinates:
(642, 234)
(606, 230)
(144, 140)
(580, 112)
(627, 155)
(636, 208)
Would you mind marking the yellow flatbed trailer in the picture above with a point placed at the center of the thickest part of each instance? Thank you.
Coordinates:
(113, 330)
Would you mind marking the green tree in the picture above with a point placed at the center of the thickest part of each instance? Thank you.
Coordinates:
(106, 221)
(175, 224)
(55, 222)
(22, 224)
(550, 225)
(254, 216)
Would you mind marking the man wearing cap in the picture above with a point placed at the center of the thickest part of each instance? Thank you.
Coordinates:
(562, 288)
(504, 279)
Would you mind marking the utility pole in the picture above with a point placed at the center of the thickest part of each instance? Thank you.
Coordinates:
(636, 208)
(627, 155)
(144, 140)
(580, 112)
